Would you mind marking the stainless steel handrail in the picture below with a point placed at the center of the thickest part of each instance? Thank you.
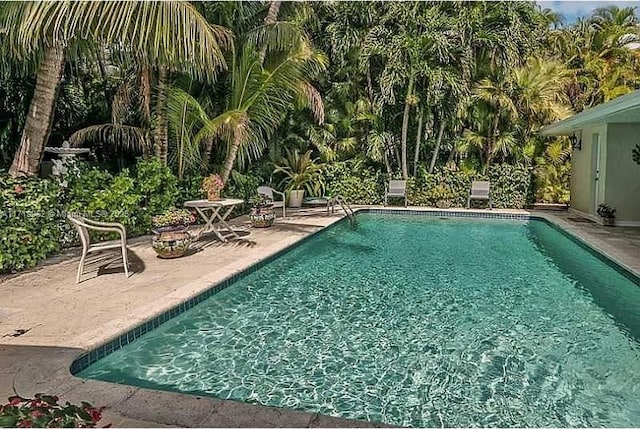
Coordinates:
(346, 208)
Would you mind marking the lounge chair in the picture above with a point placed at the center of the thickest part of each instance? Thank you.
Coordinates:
(480, 190)
(396, 189)
(83, 226)
(269, 192)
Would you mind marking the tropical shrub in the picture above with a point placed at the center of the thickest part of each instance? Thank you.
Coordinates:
(356, 185)
(43, 411)
(29, 229)
(243, 187)
(158, 189)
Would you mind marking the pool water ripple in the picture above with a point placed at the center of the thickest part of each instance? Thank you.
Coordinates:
(412, 321)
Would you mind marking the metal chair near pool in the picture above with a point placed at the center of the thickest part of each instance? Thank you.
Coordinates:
(269, 192)
(84, 225)
(396, 189)
(480, 190)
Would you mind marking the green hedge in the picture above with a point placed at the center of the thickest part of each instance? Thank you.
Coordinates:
(29, 230)
(356, 185)
(511, 185)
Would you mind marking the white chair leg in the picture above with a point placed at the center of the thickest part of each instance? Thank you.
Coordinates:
(81, 266)
(125, 261)
(283, 210)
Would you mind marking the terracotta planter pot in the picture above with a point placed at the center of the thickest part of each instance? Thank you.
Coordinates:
(262, 217)
(214, 195)
(171, 242)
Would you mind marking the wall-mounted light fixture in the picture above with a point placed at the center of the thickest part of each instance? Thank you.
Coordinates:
(576, 142)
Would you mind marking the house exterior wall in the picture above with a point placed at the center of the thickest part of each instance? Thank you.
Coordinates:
(583, 167)
(623, 175)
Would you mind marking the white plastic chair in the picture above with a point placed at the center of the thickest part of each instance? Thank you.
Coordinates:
(396, 188)
(269, 192)
(480, 190)
(83, 225)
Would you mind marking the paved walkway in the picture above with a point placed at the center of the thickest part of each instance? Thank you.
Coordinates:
(60, 319)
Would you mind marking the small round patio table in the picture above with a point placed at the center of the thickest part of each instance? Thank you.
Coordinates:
(212, 211)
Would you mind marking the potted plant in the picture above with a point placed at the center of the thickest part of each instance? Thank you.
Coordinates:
(301, 173)
(171, 238)
(212, 185)
(262, 214)
(607, 213)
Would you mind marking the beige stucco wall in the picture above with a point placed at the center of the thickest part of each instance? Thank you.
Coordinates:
(623, 175)
(583, 165)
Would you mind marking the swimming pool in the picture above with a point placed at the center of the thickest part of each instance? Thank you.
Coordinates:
(412, 320)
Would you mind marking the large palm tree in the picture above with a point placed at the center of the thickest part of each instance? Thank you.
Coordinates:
(257, 103)
(161, 34)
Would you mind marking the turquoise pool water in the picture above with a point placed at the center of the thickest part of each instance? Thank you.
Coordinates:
(412, 320)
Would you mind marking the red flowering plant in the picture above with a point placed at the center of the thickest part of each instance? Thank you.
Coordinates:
(43, 411)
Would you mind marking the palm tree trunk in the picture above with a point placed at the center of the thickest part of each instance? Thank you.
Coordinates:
(39, 121)
(416, 156)
(231, 157)
(452, 155)
(207, 151)
(161, 130)
(437, 149)
(405, 128)
(386, 163)
(271, 18)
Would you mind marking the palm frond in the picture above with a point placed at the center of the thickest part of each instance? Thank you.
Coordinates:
(122, 137)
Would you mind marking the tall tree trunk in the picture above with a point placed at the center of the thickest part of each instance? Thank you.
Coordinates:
(272, 17)
(162, 130)
(231, 156)
(452, 155)
(416, 156)
(405, 128)
(434, 157)
(207, 151)
(39, 121)
(386, 162)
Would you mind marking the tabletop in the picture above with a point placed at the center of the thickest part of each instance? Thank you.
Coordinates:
(219, 203)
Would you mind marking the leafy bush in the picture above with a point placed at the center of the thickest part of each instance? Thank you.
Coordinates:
(243, 187)
(29, 230)
(43, 411)
(511, 186)
(428, 188)
(190, 188)
(33, 224)
(158, 190)
(356, 185)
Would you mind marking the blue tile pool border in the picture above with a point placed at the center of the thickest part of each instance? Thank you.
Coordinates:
(92, 356)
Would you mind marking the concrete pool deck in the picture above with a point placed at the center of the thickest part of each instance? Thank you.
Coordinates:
(62, 319)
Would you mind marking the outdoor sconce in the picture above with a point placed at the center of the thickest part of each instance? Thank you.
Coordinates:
(576, 142)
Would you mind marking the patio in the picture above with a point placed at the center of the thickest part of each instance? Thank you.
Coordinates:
(47, 320)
